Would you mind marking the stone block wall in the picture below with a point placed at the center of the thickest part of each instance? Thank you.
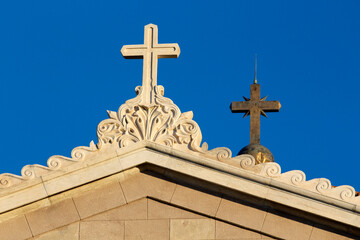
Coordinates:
(138, 205)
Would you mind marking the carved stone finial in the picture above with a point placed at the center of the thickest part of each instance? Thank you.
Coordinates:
(150, 51)
(150, 116)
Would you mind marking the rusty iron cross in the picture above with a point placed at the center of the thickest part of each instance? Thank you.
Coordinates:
(150, 51)
(255, 106)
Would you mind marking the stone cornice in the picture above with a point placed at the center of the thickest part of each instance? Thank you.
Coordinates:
(264, 180)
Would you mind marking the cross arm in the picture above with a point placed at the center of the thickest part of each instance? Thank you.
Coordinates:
(266, 106)
(133, 51)
(168, 50)
(270, 106)
(240, 107)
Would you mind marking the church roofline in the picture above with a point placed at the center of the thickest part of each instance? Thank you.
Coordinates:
(240, 173)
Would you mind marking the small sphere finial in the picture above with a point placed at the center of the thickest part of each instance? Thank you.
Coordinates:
(259, 152)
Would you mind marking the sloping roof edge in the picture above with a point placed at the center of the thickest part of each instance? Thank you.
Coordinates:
(264, 180)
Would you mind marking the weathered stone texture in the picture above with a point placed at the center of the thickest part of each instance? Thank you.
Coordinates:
(52, 217)
(157, 210)
(196, 200)
(241, 214)
(138, 205)
(192, 229)
(286, 228)
(131, 211)
(16, 228)
(227, 231)
(95, 230)
(147, 229)
(100, 199)
(318, 233)
(143, 185)
(69, 232)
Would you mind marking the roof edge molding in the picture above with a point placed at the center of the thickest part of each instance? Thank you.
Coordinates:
(264, 181)
(117, 137)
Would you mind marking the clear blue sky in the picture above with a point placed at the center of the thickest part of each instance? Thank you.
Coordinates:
(61, 69)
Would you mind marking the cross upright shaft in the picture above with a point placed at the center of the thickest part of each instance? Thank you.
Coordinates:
(150, 51)
(255, 106)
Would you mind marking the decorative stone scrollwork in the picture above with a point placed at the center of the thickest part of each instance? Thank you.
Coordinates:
(162, 123)
(294, 177)
(246, 161)
(4, 181)
(323, 185)
(27, 172)
(8, 180)
(346, 192)
(297, 178)
(270, 169)
(221, 154)
(54, 163)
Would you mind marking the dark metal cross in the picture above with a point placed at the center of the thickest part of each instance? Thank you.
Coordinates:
(255, 106)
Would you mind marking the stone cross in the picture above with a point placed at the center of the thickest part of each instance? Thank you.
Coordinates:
(255, 106)
(150, 51)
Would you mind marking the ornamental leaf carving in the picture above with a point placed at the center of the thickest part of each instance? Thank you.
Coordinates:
(162, 123)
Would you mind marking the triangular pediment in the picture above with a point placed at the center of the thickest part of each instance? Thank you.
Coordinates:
(150, 202)
(148, 218)
(218, 181)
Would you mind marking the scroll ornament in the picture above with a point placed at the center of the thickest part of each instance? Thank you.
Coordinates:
(163, 123)
(297, 178)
